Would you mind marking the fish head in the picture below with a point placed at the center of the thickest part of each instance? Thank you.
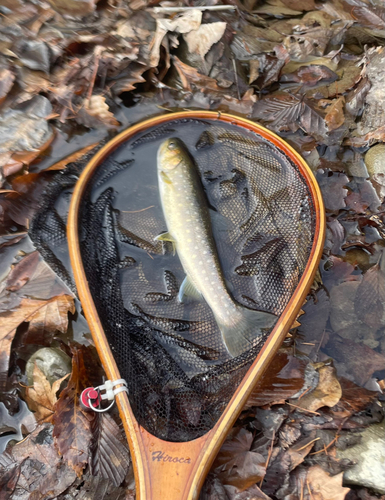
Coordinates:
(171, 154)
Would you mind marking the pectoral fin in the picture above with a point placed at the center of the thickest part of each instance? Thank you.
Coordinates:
(187, 289)
(166, 237)
(165, 177)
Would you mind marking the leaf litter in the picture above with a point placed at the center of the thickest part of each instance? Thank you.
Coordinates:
(76, 73)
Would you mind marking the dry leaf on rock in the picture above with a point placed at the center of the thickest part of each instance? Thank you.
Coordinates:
(109, 452)
(201, 40)
(95, 113)
(9, 322)
(41, 397)
(327, 393)
(72, 425)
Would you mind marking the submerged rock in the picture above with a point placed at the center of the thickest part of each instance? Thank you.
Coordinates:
(54, 363)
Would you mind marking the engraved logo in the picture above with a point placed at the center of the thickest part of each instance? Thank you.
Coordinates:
(160, 456)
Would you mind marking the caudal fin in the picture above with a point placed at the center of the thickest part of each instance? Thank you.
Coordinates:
(246, 328)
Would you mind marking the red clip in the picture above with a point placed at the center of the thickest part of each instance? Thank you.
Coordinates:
(90, 397)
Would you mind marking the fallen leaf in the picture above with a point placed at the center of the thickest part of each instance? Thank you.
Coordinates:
(95, 113)
(370, 297)
(333, 189)
(52, 318)
(109, 452)
(300, 4)
(72, 158)
(236, 465)
(42, 471)
(189, 77)
(327, 393)
(369, 15)
(72, 425)
(283, 378)
(8, 481)
(310, 75)
(9, 322)
(335, 114)
(360, 361)
(201, 40)
(73, 8)
(41, 398)
(6, 82)
(322, 486)
(354, 398)
(21, 273)
(355, 99)
(350, 75)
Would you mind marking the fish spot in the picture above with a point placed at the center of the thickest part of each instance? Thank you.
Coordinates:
(194, 256)
(189, 240)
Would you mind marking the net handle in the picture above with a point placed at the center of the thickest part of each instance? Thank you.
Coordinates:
(179, 480)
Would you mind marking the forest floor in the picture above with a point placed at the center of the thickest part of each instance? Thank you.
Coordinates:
(75, 73)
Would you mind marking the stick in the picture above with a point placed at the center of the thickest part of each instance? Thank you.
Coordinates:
(158, 10)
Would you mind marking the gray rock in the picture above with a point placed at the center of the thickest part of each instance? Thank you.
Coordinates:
(370, 457)
(54, 363)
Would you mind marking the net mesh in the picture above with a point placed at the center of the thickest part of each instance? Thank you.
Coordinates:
(179, 373)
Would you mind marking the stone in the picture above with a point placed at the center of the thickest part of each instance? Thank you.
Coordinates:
(54, 363)
(369, 454)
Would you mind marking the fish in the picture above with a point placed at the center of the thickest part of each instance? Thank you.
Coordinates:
(189, 229)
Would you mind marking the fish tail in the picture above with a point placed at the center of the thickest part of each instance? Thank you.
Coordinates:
(245, 329)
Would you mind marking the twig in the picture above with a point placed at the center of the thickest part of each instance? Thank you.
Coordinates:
(306, 445)
(302, 488)
(158, 10)
(309, 490)
(304, 409)
(136, 211)
(326, 447)
(236, 79)
(268, 456)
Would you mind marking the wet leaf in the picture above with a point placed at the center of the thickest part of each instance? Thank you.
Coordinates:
(95, 113)
(354, 398)
(350, 74)
(72, 425)
(42, 471)
(333, 189)
(327, 393)
(310, 75)
(22, 272)
(52, 318)
(360, 361)
(109, 452)
(41, 398)
(370, 298)
(9, 322)
(190, 77)
(8, 481)
(72, 158)
(322, 486)
(283, 378)
(355, 99)
(236, 465)
(370, 16)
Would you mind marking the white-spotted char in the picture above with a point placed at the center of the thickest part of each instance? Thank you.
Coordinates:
(188, 222)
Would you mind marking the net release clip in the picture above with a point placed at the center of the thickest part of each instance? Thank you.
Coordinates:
(92, 397)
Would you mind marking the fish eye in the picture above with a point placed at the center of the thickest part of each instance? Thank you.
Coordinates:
(171, 145)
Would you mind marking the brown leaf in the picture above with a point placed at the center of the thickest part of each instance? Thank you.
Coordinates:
(333, 189)
(95, 113)
(8, 324)
(109, 453)
(335, 114)
(76, 8)
(283, 378)
(236, 464)
(354, 398)
(41, 398)
(370, 16)
(377, 135)
(201, 40)
(72, 425)
(53, 317)
(350, 75)
(22, 272)
(370, 297)
(42, 470)
(74, 157)
(360, 360)
(322, 486)
(310, 75)
(190, 76)
(327, 393)
(6, 81)
(8, 481)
